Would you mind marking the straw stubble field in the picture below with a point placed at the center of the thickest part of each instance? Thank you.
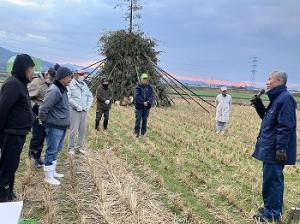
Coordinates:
(182, 172)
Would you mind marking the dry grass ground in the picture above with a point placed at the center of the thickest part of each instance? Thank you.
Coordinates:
(182, 172)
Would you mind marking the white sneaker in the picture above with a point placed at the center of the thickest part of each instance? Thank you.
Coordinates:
(71, 152)
(222, 132)
(217, 132)
(49, 175)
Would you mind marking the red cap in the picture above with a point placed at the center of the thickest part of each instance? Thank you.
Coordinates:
(81, 73)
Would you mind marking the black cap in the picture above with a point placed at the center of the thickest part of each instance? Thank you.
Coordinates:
(63, 72)
(56, 67)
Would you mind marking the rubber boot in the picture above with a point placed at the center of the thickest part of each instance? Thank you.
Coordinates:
(58, 175)
(31, 154)
(105, 124)
(12, 195)
(97, 125)
(49, 175)
(38, 161)
(4, 193)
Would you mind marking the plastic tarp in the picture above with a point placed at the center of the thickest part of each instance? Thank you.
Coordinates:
(37, 61)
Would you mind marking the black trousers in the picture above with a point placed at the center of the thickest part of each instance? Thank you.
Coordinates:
(37, 140)
(11, 148)
(99, 114)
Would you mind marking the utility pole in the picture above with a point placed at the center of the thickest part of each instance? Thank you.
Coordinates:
(253, 71)
(131, 16)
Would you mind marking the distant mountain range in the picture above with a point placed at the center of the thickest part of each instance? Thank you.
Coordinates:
(6, 54)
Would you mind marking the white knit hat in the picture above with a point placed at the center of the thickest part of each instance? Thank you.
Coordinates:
(224, 88)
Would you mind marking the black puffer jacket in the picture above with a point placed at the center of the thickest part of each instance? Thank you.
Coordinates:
(16, 116)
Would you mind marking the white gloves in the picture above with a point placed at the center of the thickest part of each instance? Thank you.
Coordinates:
(79, 109)
(107, 102)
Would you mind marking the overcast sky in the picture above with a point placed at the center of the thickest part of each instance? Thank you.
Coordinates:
(213, 39)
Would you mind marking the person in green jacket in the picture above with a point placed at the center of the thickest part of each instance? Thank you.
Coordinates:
(104, 101)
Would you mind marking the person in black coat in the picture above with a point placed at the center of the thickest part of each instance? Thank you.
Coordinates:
(16, 120)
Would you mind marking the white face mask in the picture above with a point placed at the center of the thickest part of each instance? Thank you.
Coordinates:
(80, 79)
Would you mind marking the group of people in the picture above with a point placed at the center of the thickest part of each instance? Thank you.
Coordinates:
(48, 104)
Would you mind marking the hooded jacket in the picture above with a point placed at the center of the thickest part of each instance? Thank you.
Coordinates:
(16, 116)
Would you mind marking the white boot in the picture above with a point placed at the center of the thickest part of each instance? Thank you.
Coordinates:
(58, 175)
(49, 178)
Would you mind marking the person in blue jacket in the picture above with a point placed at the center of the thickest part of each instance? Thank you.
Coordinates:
(276, 143)
(144, 100)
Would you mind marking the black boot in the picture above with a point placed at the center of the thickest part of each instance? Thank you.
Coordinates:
(12, 196)
(105, 124)
(30, 154)
(97, 125)
(38, 161)
(4, 193)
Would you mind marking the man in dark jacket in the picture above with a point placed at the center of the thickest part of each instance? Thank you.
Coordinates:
(276, 143)
(16, 119)
(144, 99)
(55, 115)
(104, 101)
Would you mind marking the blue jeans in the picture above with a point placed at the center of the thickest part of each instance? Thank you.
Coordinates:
(141, 119)
(273, 188)
(55, 141)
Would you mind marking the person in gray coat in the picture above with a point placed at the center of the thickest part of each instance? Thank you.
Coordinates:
(81, 101)
(55, 115)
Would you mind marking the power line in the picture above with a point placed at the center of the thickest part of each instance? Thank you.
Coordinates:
(253, 71)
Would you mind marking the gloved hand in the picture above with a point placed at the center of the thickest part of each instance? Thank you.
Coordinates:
(39, 121)
(256, 102)
(281, 155)
(79, 109)
(107, 102)
(146, 104)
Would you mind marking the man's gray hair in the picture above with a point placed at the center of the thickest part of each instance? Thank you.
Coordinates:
(281, 76)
